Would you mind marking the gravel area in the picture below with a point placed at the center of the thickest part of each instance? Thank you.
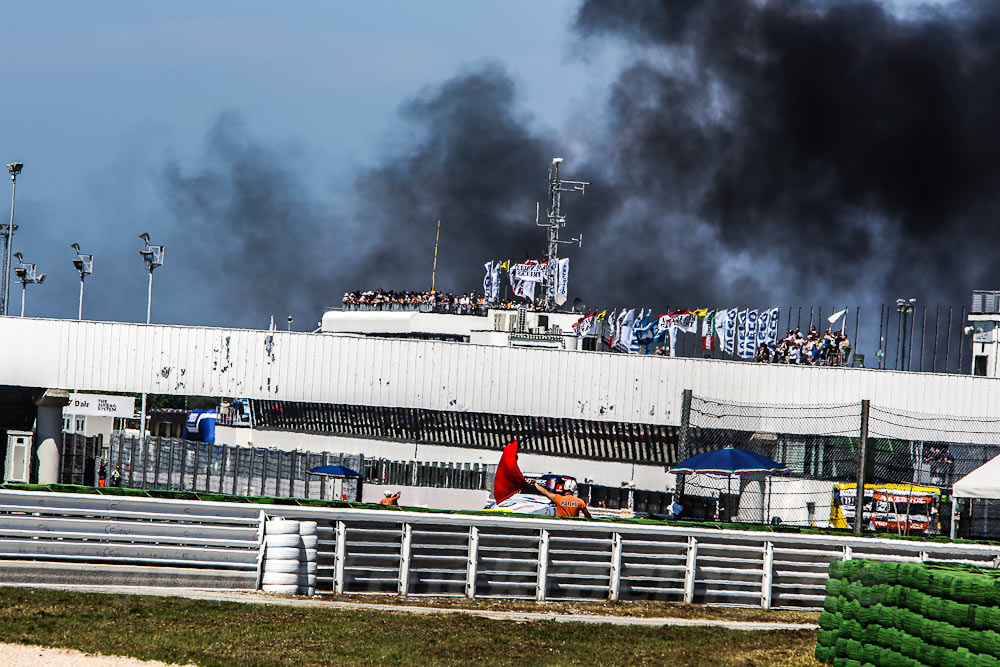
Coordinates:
(37, 656)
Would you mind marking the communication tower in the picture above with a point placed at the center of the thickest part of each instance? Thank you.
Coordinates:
(554, 220)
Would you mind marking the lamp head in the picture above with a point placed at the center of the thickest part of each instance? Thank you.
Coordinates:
(14, 168)
(18, 256)
(145, 237)
(556, 160)
(75, 246)
(40, 279)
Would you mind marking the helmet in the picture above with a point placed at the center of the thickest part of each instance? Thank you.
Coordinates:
(388, 494)
(569, 486)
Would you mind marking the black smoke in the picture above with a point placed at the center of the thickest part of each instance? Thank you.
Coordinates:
(748, 152)
(246, 222)
(476, 163)
(806, 150)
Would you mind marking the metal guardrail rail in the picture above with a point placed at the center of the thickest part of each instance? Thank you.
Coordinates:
(362, 551)
(129, 531)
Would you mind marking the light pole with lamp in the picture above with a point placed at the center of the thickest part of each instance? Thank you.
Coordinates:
(85, 265)
(152, 255)
(25, 272)
(14, 168)
(904, 307)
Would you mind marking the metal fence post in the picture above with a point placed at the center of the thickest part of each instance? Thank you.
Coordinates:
(685, 436)
(339, 558)
(131, 463)
(197, 464)
(471, 565)
(156, 464)
(859, 498)
(236, 471)
(170, 465)
(543, 565)
(404, 560)
(767, 580)
(690, 569)
(264, 456)
(184, 453)
(616, 567)
(322, 479)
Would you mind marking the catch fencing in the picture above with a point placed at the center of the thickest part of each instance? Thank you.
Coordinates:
(184, 465)
(393, 552)
(913, 456)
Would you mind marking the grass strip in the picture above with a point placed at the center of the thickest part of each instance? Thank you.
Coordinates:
(178, 630)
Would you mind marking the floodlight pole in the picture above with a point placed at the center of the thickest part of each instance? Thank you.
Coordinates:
(85, 265)
(152, 255)
(14, 168)
(27, 274)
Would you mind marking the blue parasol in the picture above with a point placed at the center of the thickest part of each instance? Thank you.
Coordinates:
(334, 471)
(729, 461)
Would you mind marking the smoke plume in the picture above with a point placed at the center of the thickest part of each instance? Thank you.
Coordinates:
(748, 152)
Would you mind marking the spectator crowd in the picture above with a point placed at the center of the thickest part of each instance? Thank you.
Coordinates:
(467, 303)
(832, 348)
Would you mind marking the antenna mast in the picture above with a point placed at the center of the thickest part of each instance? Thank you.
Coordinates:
(554, 220)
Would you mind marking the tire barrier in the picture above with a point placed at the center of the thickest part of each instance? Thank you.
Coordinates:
(307, 571)
(286, 564)
(883, 613)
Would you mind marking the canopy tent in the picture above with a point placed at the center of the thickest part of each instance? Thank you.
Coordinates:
(728, 462)
(338, 474)
(983, 482)
(334, 471)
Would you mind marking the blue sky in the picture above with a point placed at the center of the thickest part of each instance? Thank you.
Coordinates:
(97, 95)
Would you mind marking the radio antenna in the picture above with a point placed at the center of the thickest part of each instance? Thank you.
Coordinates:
(554, 220)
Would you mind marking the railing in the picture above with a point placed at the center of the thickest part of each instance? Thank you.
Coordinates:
(497, 556)
(116, 530)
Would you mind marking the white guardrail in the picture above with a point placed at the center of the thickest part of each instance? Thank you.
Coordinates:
(416, 553)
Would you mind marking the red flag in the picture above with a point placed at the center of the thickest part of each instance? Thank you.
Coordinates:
(509, 479)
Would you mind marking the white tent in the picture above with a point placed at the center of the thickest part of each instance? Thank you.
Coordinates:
(983, 482)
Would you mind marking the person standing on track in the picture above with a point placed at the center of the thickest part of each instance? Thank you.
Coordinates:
(567, 504)
(102, 473)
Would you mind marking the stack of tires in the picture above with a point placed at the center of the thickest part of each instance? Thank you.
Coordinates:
(907, 615)
(289, 565)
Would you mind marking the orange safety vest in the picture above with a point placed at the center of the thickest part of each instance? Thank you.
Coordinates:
(567, 505)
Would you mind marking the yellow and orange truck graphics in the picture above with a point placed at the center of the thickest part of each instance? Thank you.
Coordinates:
(899, 508)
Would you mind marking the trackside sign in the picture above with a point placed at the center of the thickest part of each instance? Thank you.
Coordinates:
(100, 405)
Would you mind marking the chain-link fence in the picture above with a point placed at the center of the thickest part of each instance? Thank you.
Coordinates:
(912, 462)
(183, 465)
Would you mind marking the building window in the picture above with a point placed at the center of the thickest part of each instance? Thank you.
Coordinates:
(67, 424)
(979, 367)
(81, 424)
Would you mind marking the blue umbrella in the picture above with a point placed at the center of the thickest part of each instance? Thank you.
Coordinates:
(334, 471)
(729, 461)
